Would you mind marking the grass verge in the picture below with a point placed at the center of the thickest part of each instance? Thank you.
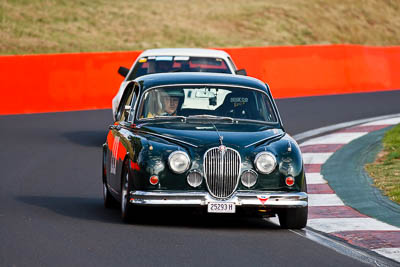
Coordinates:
(59, 26)
(385, 171)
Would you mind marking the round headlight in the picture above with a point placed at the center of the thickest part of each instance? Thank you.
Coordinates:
(249, 178)
(265, 162)
(178, 161)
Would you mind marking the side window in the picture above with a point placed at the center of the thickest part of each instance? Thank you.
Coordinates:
(125, 100)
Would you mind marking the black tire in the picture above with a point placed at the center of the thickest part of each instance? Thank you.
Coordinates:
(109, 200)
(126, 207)
(293, 218)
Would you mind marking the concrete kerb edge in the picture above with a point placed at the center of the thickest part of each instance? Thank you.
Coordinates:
(363, 255)
(323, 130)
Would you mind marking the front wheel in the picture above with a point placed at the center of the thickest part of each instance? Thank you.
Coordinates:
(126, 207)
(109, 200)
(293, 218)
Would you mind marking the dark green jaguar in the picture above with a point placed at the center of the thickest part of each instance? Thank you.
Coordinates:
(208, 141)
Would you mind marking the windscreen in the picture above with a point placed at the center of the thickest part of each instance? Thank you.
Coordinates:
(161, 64)
(221, 101)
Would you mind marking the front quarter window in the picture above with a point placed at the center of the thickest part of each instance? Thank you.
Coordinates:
(125, 101)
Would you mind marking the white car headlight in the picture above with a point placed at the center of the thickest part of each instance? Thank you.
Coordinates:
(265, 162)
(179, 162)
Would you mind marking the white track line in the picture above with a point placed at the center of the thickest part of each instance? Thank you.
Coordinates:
(315, 178)
(383, 122)
(316, 158)
(323, 200)
(392, 253)
(330, 225)
(335, 138)
(335, 127)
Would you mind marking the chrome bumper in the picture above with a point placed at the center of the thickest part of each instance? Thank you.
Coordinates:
(240, 198)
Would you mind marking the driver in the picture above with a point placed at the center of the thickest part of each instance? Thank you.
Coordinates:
(162, 66)
(170, 101)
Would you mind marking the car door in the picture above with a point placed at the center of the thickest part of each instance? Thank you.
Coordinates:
(117, 139)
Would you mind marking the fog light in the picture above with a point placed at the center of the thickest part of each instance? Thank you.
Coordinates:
(249, 178)
(289, 181)
(154, 180)
(194, 178)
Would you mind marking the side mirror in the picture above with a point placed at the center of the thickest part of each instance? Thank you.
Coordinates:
(123, 71)
(241, 72)
(127, 109)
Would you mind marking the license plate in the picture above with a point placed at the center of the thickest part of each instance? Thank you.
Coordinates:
(221, 207)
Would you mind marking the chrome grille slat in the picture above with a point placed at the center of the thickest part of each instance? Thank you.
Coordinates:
(221, 171)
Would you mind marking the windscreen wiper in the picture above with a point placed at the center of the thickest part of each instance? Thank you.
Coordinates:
(257, 121)
(210, 117)
(164, 117)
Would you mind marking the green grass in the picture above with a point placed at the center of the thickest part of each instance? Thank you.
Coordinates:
(59, 26)
(385, 171)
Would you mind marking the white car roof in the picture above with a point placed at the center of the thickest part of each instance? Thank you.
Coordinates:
(184, 52)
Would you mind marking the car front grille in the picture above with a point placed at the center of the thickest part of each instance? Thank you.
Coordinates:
(221, 170)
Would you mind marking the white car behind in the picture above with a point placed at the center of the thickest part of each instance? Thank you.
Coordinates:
(176, 60)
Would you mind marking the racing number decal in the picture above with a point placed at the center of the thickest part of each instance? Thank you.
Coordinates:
(113, 167)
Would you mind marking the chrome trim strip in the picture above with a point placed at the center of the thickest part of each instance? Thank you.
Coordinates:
(265, 139)
(240, 198)
(168, 138)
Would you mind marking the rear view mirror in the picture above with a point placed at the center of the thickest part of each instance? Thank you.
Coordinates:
(212, 101)
(204, 94)
(123, 71)
(241, 72)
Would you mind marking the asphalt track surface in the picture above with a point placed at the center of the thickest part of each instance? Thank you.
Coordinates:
(51, 211)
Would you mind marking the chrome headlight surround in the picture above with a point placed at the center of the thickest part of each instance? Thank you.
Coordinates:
(194, 178)
(249, 178)
(179, 162)
(265, 162)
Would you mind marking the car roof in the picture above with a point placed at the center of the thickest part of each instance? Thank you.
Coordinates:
(201, 78)
(200, 52)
